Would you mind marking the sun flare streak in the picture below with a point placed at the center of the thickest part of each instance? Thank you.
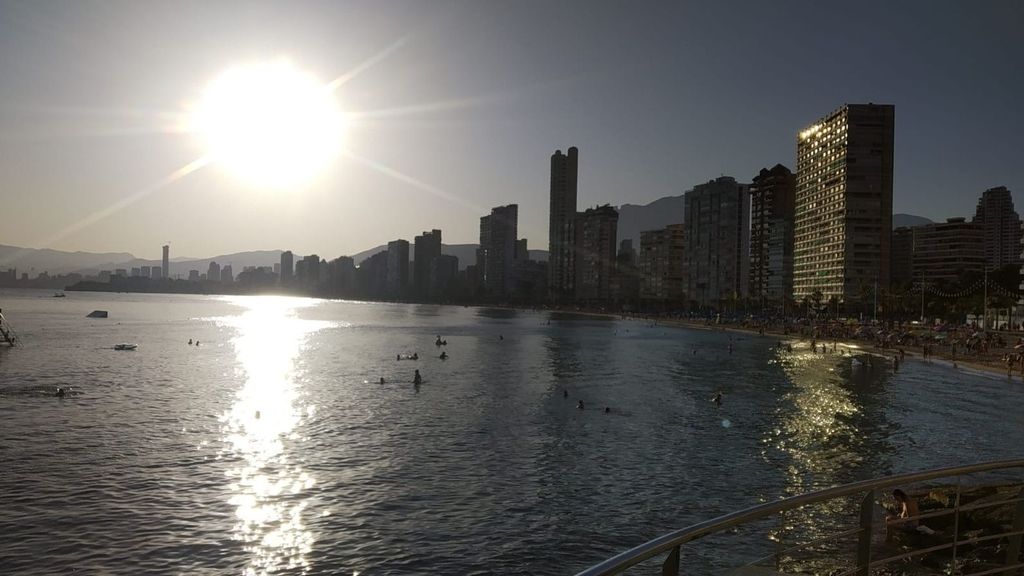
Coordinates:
(123, 203)
(402, 177)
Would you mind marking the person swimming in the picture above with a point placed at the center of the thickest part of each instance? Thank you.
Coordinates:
(443, 356)
(718, 399)
(579, 404)
(189, 341)
(565, 393)
(60, 393)
(415, 356)
(607, 410)
(417, 379)
(381, 379)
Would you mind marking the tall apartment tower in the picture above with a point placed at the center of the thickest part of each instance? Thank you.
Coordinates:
(772, 198)
(287, 267)
(167, 261)
(595, 233)
(1000, 226)
(397, 282)
(843, 224)
(561, 269)
(716, 220)
(428, 247)
(498, 233)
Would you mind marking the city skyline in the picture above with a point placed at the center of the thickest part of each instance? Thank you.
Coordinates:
(86, 147)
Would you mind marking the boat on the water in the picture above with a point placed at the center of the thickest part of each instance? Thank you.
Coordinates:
(59, 295)
(125, 346)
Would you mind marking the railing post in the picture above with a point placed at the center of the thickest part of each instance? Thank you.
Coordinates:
(1013, 548)
(671, 565)
(867, 519)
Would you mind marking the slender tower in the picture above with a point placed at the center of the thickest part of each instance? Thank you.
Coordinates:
(561, 269)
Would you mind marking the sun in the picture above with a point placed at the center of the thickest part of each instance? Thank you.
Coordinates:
(270, 124)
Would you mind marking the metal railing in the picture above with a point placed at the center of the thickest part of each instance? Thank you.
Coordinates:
(863, 563)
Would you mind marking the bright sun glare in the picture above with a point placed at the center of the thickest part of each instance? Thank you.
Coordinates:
(270, 124)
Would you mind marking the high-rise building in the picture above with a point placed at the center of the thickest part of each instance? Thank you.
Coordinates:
(193, 275)
(167, 261)
(427, 247)
(372, 275)
(843, 224)
(716, 218)
(213, 272)
(595, 233)
(944, 251)
(341, 275)
(901, 258)
(661, 264)
(626, 288)
(498, 233)
(561, 243)
(136, 272)
(157, 273)
(147, 271)
(443, 271)
(397, 283)
(226, 275)
(287, 268)
(772, 197)
(308, 274)
(1000, 224)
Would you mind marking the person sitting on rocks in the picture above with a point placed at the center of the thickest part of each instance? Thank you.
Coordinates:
(905, 515)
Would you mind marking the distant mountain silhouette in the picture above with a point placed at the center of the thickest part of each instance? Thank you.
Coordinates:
(900, 220)
(466, 253)
(634, 219)
(55, 261)
(33, 261)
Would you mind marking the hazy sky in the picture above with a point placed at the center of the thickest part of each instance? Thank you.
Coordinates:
(473, 101)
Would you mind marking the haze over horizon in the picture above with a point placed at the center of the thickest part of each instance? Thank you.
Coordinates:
(460, 105)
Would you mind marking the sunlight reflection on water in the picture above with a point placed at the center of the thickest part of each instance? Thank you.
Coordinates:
(268, 486)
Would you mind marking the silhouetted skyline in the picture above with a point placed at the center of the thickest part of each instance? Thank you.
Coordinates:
(466, 101)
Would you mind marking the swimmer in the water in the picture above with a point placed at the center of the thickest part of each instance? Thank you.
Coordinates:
(565, 393)
(607, 410)
(417, 379)
(443, 356)
(60, 393)
(718, 399)
(189, 341)
(381, 379)
(579, 404)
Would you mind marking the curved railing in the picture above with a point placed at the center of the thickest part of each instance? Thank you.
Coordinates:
(672, 543)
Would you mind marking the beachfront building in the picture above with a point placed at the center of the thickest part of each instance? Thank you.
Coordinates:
(772, 197)
(1000, 225)
(661, 264)
(716, 218)
(844, 203)
(427, 247)
(901, 259)
(397, 276)
(496, 256)
(595, 234)
(562, 212)
(287, 268)
(945, 251)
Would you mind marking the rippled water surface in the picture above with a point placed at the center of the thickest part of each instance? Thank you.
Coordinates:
(272, 448)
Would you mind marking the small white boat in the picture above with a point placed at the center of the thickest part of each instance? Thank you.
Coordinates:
(125, 346)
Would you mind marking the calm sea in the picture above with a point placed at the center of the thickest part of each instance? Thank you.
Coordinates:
(272, 448)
